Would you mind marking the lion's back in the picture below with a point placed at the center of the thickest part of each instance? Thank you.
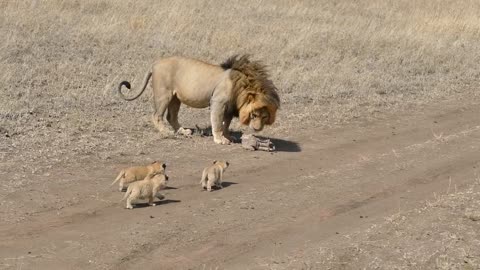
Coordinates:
(191, 80)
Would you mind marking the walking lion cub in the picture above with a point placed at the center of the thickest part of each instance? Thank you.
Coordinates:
(138, 173)
(213, 175)
(145, 189)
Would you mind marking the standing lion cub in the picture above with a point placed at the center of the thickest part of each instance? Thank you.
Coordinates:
(138, 173)
(213, 175)
(145, 189)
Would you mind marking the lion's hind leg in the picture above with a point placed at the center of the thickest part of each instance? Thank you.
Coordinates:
(161, 100)
(172, 117)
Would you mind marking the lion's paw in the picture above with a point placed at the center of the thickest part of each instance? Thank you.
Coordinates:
(222, 140)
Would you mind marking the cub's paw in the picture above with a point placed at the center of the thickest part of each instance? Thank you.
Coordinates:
(184, 131)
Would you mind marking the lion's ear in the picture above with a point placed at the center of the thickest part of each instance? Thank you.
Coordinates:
(244, 116)
(215, 161)
(271, 116)
(247, 108)
(251, 97)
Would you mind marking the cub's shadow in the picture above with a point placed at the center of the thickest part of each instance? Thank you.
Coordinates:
(156, 202)
(166, 188)
(225, 184)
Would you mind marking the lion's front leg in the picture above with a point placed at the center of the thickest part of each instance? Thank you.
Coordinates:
(226, 124)
(216, 118)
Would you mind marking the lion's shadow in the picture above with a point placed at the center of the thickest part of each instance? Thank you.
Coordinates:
(281, 145)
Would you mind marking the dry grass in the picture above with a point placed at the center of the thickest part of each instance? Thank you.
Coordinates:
(332, 61)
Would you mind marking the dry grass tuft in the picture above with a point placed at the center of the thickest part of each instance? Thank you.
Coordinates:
(332, 61)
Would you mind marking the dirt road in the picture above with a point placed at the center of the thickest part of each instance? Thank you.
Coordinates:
(319, 186)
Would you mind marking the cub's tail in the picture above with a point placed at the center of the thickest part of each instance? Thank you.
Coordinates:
(120, 175)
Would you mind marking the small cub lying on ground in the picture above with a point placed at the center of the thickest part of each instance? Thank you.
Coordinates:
(213, 175)
(146, 189)
(251, 142)
(138, 173)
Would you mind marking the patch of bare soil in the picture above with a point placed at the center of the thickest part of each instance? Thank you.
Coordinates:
(338, 198)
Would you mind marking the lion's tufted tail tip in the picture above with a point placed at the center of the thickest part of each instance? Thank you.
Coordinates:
(126, 84)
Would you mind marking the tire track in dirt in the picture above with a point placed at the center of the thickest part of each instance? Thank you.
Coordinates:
(415, 183)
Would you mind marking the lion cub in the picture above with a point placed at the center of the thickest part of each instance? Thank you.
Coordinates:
(138, 173)
(213, 175)
(146, 189)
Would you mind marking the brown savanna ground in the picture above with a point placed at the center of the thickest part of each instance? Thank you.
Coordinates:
(378, 136)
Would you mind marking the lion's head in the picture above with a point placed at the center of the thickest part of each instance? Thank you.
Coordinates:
(257, 113)
(256, 100)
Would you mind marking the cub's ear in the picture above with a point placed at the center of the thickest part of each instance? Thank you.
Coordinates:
(228, 164)
(164, 165)
(215, 161)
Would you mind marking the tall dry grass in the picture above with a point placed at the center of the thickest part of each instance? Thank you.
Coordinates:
(332, 61)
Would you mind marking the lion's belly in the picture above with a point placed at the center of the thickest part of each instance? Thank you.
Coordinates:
(194, 98)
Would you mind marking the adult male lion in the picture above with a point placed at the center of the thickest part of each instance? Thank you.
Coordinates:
(237, 88)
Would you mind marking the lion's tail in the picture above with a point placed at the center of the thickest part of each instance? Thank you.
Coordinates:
(127, 84)
(120, 175)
